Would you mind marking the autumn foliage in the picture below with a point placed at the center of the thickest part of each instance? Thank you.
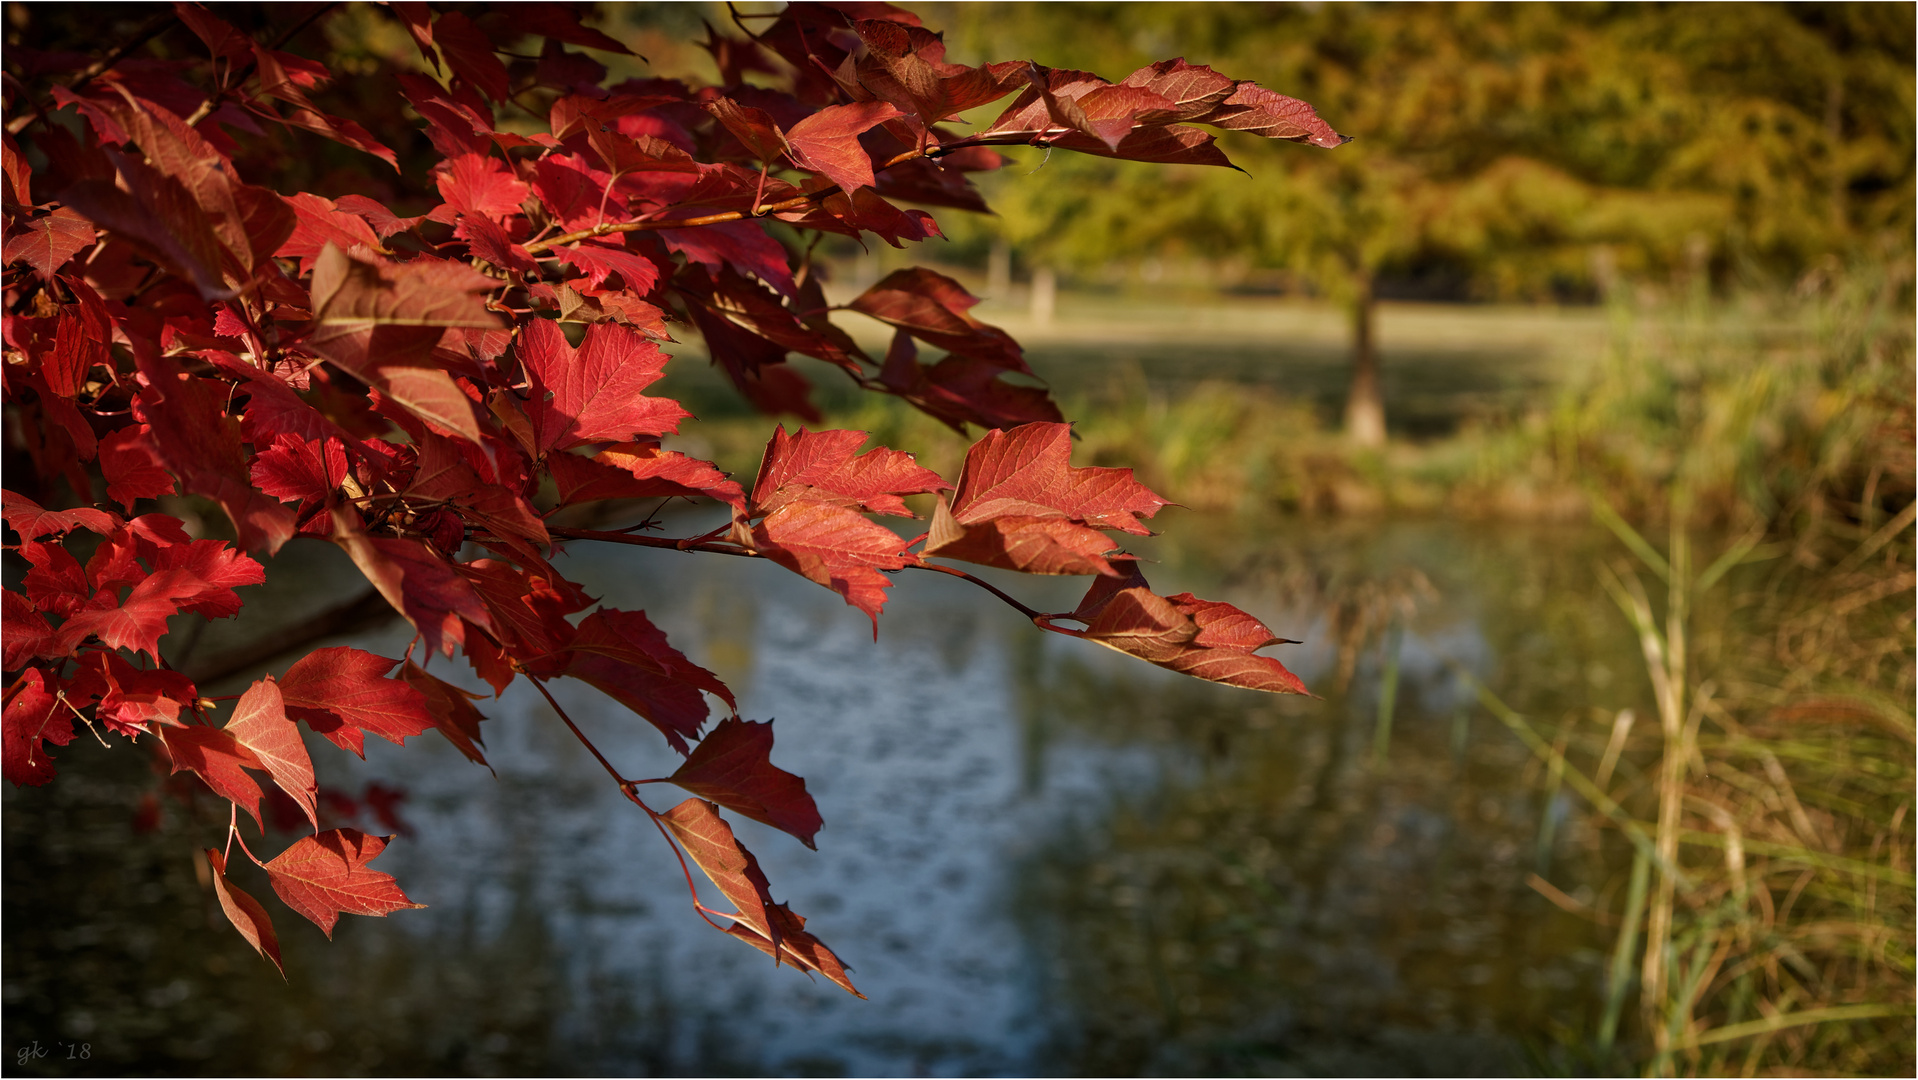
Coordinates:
(426, 384)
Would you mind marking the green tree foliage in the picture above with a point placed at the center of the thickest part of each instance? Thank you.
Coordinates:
(1522, 151)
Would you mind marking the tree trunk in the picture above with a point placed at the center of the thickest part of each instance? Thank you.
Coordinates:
(1045, 287)
(1365, 404)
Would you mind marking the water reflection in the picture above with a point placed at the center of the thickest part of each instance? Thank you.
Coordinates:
(1038, 857)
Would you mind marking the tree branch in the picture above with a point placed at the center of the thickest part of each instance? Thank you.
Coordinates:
(366, 610)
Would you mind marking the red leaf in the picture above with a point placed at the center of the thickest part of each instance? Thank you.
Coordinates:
(932, 308)
(451, 709)
(796, 947)
(244, 912)
(593, 394)
(321, 222)
(732, 766)
(742, 245)
(48, 242)
(906, 66)
(710, 843)
(1026, 471)
(342, 692)
(771, 928)
(218, 568)
(1254, 109)
(599, 259)
(489, 240)
(34, 715)
(754, 128)
(820, 467)
(835, 547)
(420, 585)
(260, 725)
(558, 22)
(138, 697)
(475, 184)
(961, 390)
(215, 756)
(199, 443)
(827, 142)
(627, 657)
(1206, 639)
(470, 53)
(56, 584)
(325, 876)
(1032, 545)
(25, 632)
(380, 322)
(132, 467)
(639, 471)
(25, 517)
(298, 470)
(139, 621)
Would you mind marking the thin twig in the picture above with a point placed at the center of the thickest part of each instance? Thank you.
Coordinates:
(540, 684)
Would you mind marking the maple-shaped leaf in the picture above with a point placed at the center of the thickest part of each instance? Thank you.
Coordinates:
(420, 585)
(826, 467)
(475, 184)
(1027, 470)
(733, 767)
(489, 240)
(218, 567)
(137, 622)
(325, 876)
(628, 658)
(834, 546)
(48, 242)
(320, 222)
(260, 724)
(592, 394)
(132, 467)
(796, 947)
(742, 245)
(600, 259)
(27, 518)
(25, 631)
(827, 142)
(529, 612)
(451, 709)
(342, 692)
(1206, 639)
(138, 697)
(639, 471)
(245, 913)
(1021, 504)
(933, 308)
(215, 756)
(57, 584)
(35, 714)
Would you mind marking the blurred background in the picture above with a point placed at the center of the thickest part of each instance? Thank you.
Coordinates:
(1584, 372)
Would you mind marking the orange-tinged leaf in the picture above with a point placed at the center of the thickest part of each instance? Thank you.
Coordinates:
(325, 876)
(709, 842)
(1206, 639)
(1027, 471)
(796, 947)
(245, 913)
(837, 548)
(933, 308)
(1031, 545)
(733, 767)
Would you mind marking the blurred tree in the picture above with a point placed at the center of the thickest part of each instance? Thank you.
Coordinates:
(1520, 151)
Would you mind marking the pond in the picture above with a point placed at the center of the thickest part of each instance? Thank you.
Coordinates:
(1039, 857)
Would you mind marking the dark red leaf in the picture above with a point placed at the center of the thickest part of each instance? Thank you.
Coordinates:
(215, 756)
(733, 767)
(132, 467)
(639, 471)
(933, 308)
(470, 53)
(827, 142)
(35, 715)
(451, 709)
(25, 632)
(48, 242)
(419, 584)
(200, 444)
(244, 912)
(626, 656)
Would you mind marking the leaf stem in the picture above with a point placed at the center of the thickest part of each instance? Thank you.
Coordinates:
(580, 735)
